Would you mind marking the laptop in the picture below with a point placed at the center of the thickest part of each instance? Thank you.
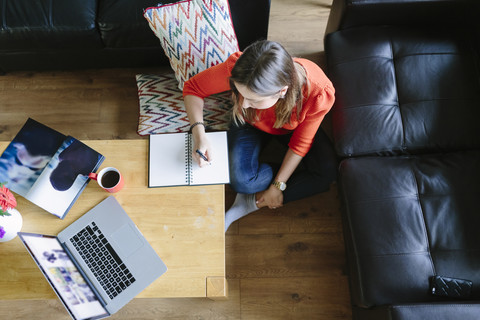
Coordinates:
(98, 263)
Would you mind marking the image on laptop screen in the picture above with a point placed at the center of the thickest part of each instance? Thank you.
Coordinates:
(64, 277)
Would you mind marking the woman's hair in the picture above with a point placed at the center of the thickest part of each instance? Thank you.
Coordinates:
(265, 68)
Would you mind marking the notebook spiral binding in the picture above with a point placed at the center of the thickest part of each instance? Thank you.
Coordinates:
(188, 159)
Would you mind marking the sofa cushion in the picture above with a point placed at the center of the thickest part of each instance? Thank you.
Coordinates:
(403, 90)
(122, 25)
(195, 34)
(48, 25)
(162, 109)
(250, 20)
(409, 218)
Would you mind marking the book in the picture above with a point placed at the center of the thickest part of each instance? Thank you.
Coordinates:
(47, 168)
(171, 162)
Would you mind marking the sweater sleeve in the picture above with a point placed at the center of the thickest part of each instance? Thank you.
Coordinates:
(315, 110)
(211, 81)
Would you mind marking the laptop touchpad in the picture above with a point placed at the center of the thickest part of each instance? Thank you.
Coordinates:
(127, 240)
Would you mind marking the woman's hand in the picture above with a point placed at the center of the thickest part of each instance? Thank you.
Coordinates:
(202, 144)
(272, 198)
(194, 107)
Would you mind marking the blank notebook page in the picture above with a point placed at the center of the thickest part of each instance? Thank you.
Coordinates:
(170, 161)
(167, 165)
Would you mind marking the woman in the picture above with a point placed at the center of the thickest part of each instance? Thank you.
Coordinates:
(275, 95)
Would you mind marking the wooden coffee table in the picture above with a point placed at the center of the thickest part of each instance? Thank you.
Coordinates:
(185, 226)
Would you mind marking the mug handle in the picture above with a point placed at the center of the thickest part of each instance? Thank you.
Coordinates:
(93, 176)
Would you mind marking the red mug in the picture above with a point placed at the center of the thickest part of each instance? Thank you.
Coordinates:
(109, 179)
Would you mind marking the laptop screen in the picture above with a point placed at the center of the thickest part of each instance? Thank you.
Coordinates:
(64, 277)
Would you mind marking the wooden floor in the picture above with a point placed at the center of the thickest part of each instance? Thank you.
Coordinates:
(283, 264)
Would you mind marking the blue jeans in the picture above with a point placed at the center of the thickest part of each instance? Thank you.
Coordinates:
(248, 174)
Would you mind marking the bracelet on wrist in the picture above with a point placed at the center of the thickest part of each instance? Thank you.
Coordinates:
(196, 124)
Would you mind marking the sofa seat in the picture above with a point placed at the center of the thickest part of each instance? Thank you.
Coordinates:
(410, 218)
(78, 34)
(406, 127)
(48, 24)
(120, 28)
(418, 88)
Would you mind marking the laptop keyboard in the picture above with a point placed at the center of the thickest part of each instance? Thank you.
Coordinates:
(102, 260)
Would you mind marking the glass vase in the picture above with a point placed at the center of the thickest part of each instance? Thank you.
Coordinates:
(11, 225)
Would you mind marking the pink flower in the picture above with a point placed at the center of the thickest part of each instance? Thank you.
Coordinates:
(7, 200)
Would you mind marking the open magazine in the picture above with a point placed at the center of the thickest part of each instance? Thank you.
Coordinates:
(47, 168)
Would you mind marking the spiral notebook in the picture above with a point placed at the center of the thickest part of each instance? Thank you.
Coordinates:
(171, 162)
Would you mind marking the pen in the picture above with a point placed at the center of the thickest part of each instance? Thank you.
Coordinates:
(202, 155)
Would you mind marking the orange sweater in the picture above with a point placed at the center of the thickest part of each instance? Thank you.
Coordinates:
(318, 98)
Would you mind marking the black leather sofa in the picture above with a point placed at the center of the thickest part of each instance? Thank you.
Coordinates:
(61, 34)
(406, 127)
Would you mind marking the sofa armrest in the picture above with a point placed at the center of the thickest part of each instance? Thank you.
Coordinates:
(353, 13)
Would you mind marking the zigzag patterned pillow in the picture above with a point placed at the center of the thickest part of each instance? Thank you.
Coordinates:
(162, 109)
(195, 34)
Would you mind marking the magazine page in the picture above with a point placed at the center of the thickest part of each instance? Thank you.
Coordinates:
(27, 155)
(65, 278)
(64, 177)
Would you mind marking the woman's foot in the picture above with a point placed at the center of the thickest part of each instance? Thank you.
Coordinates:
(243, 205)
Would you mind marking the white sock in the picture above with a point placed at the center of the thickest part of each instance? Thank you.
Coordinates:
(243, 205)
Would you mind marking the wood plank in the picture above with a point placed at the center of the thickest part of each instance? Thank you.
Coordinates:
(284, 256)
(316, 214)
(299, 26)
(171, 308)
(104, 101)
(320, 298)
